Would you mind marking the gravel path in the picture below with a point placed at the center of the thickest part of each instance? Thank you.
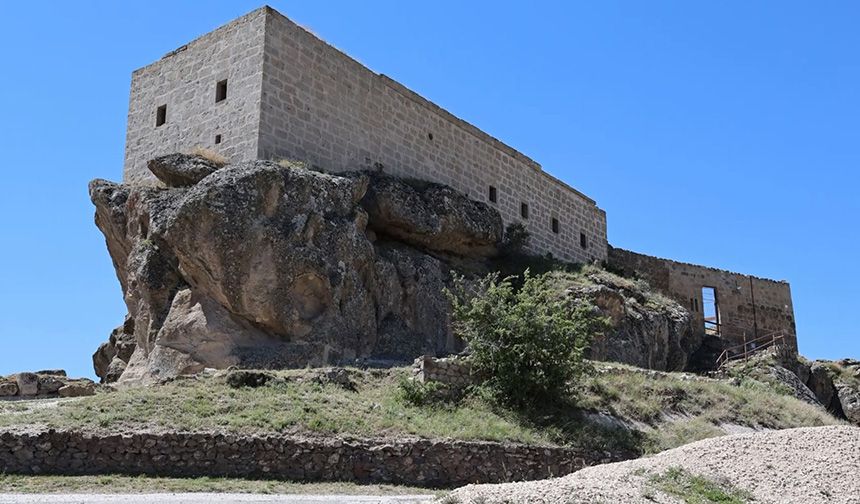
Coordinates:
(804, 466)
(204, 498)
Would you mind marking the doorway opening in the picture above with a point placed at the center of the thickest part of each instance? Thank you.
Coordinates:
(711, 311)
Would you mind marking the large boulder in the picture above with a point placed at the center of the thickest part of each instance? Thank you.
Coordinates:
(820, 382)
(269, 266)
(432, 216)
(182, 170)
(78, 388)
(8, 388)
(28, 384)
(849, 400)
(50, 384)
(120, 345)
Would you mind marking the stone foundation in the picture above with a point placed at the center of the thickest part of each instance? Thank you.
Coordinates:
(453, 371)
(417, 462)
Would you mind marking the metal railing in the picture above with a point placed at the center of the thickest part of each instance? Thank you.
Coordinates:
(747, 348)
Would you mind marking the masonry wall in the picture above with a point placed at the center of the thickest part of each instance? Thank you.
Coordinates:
(322, 107)
(416, 462)
(745, 302)
(185, 81)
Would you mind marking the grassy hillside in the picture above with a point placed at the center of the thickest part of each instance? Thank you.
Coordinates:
(639, 410)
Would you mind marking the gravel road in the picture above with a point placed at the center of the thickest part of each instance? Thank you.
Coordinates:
(208, 498)
(803, 466)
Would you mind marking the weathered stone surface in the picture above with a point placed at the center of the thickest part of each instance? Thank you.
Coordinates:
(52, 372)
(78, 388)
(410, 461)
(8, 388)
(28, 384)
(821, 384)
(121, 345)
(432, 216)
(334, 376)
(49, 384)
(240, 378)
(114, 370)
(262, 265)
(849, 400)
(182, 170)
(647, 330)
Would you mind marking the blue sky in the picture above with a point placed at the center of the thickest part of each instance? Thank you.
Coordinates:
(719, 133)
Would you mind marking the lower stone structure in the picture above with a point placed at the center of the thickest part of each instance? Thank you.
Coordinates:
(453, 371)
(726, 308)
(417, 462)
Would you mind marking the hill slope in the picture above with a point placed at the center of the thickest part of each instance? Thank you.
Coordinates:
(808, 465)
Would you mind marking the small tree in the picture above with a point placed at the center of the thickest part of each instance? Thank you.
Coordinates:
(529, 343)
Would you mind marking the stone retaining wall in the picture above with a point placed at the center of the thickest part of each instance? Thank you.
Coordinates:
(417, 462)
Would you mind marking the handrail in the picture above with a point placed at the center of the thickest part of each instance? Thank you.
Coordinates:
(769, 340)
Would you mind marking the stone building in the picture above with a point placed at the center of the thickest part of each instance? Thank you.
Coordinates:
(262, 87)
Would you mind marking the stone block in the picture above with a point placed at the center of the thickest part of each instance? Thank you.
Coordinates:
(28, 384)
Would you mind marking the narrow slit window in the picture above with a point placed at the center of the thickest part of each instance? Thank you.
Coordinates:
(583, 240)
(554, 225)
(524, 210)
(494, 195)
(221, 91)
(217, 139)
(160, 115)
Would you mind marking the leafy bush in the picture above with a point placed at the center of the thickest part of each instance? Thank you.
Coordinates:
(528, 343)
(416, 393)
(516, 239)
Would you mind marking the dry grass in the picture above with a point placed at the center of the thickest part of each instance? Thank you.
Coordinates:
(209, 154)
(110, 484)
(662, 411)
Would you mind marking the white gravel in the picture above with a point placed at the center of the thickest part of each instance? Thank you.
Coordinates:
(803, 466)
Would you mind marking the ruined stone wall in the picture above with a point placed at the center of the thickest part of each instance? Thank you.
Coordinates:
(323, 107)
(416, 462)
(185, 81)
(745, 302)
(455, 371)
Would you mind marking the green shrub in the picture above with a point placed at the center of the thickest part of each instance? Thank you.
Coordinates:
(416, 393)
(528, 343)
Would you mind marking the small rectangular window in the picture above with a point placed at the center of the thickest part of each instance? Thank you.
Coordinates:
(524, 210)
(221, 91)
(494, 196)
(217, 139)
(160, 115)
(554, 225)
(583, 241)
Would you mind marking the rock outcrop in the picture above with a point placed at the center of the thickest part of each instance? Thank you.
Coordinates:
(267, 265)
(46, 383)
(182, 170)
(647, 330)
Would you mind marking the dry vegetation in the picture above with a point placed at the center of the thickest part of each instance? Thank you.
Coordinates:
(209, 154)
(660, 410)
(144, 484)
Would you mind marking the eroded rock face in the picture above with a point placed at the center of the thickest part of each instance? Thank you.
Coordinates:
(265, 266)
(28, 384)
(647, 330)
(182, 170)
(432, 216)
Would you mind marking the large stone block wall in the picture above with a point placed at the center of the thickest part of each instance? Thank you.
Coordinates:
(745, 302)
(417, 462)
(291, 95)
(185, 81)
(323, 107)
